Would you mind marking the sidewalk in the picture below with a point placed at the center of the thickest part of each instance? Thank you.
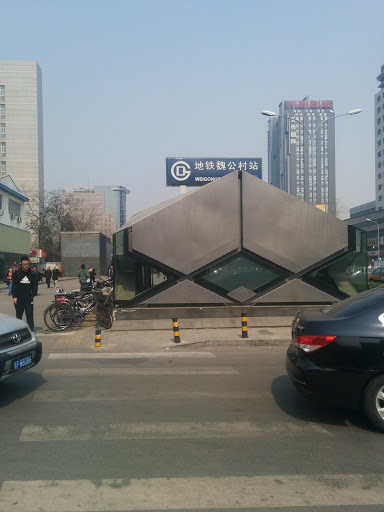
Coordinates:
(82, 339)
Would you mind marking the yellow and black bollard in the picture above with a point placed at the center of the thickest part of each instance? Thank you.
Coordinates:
(244, 325)
(98, 337)
(176, 333)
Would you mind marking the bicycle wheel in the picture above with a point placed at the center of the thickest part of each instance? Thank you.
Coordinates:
(104, 317)
(63, 316)
(48, 317)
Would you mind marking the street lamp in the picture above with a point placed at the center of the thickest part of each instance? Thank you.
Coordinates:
(311, 136)
(378, 240)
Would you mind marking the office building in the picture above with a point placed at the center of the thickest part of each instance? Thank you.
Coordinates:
(379, 142)
(115, 202)
(301, 151)
(92, 214)
(21, 126)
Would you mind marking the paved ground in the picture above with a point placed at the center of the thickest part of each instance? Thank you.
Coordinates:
(83, 336)
(143, 424)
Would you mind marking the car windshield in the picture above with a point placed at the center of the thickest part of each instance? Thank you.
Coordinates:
(356, 304)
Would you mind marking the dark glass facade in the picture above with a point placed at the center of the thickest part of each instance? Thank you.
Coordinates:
(346, 275)
(240, 270)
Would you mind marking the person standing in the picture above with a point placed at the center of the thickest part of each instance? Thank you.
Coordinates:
(110, 272)
(24, 289)
(8, 279)
(92, 274)
(48, 276)
(55, 276)
(82, 275)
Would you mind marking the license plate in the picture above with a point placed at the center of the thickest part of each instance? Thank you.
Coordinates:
(23, 361)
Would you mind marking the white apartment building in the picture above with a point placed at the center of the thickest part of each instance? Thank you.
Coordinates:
(21, 125)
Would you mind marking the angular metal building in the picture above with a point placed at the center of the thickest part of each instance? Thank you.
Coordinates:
(237, 241)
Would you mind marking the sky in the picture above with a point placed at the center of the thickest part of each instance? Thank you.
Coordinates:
(127, 83)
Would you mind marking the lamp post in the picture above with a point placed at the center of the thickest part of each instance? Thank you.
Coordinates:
(311, 136)
(378, 241)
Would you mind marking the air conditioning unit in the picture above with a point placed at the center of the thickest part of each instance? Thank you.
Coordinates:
(1, 212)
(13, 215)
(18, 219)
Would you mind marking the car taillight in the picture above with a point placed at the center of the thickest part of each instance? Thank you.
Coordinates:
(312, 343)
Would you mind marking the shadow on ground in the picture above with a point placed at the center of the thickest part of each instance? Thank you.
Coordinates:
(19, 387)
(306, 408)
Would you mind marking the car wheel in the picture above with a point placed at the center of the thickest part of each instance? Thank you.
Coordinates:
(374, 402)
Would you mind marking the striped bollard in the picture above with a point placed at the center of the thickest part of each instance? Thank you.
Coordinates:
(176, 333)
(244, 325)
(98, 337)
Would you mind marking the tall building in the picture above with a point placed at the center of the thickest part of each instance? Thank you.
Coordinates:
(115, 202)
(301, 151)
(21, 126)
(379, 142)
(102, 208)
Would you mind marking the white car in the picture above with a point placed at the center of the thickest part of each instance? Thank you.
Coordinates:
(19, 348)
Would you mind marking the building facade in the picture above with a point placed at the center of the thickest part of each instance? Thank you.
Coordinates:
(21, 126)
(379, 142)
(14, 239)
(88, 248)
(115, 202)
(228, 244)
(301, 151)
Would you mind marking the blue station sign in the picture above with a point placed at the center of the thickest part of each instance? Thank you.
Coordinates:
(195, 172)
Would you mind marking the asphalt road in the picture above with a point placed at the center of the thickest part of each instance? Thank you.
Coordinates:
(200, 429)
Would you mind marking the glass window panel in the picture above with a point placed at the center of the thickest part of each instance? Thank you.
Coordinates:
(134, 276)
(347, 275)
(241, 270)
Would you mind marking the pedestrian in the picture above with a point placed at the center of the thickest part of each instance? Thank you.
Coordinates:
(24, 289)
(8, 280)
(48, 275)
(37, 274)
(55, 276)
(92, 274)
(82, 275)
(110, 272)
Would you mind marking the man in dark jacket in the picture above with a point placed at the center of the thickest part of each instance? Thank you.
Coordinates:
(48, 275)
(55, 276)
(24, 288)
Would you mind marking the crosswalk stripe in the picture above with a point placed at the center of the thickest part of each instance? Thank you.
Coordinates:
(127, 355)
(103, 372)
(140, 431)
(62, 396)
(198, 493)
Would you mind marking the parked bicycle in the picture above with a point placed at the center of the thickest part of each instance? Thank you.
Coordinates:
(72, 308)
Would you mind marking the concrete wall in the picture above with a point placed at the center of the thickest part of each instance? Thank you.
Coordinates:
(90, 248)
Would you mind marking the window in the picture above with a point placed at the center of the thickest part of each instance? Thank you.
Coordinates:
(2, 130)
(380, 198)
(241, 270)
(379, 176)
(379, 142)
(2, 91)
(378, 109)
(379, 120)
(3, 168)
(378, 98)
(379, 154)
(3, 148)
(379, 165)
(14, 208)
(380, 187)
(379, 131)
(2, 111)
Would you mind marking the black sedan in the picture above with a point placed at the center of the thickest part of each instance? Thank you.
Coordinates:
(337, 354)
